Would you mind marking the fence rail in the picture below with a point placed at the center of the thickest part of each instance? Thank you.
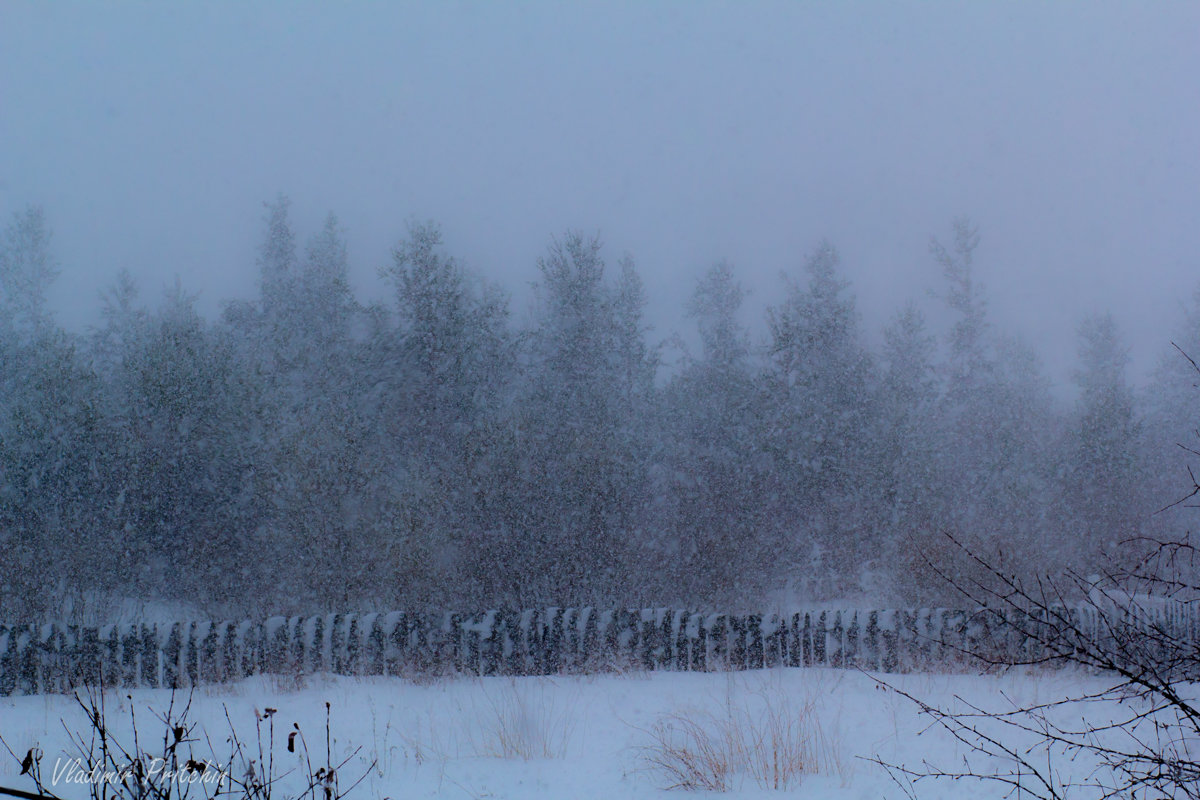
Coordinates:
(56, 658)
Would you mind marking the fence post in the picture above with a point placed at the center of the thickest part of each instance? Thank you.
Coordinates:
(589, 638)
(354, 645)
(89, 656)
(397, 643)
(171, 649)
(870, 656)
(513, 644)
(737, 642)
(697, 634)
(373, 645)
(681, 641)
(888, 622)
(552, 644)
(7, 662)
(150, 655)
(775, 641)
(836, 645)
(754, 658)
(820, 641)
(664, 619)
(223, 651)
(853, 638)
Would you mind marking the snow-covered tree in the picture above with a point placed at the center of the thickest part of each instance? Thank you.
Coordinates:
(998, 417)
(818, 384)
(448, 371)
(583, 454)
(1101, 481)
(27, 269)
(969, 358)
(277, 260)
(48, 399)
(909, 443)
(1169, 418)
(711, 489)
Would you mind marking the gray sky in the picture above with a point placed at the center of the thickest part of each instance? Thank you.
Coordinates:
(682, 132)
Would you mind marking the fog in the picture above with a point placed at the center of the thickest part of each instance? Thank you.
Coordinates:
(682, 133)
(713, 306)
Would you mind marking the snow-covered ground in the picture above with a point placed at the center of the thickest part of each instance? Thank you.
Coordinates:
(563, 737)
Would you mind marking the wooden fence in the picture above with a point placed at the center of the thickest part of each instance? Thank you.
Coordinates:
(56, 658)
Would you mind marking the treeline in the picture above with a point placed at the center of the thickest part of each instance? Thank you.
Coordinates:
(307, 452)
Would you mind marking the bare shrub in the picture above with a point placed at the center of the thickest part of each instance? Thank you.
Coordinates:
(1132, 630)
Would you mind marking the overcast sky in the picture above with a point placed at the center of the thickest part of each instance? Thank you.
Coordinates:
(681, 132)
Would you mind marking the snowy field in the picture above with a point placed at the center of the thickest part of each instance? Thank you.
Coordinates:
(567, 737)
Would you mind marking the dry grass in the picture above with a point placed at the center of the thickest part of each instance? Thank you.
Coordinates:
(691, 753)
(519, 718)
(523, 721)
(424, 740)
(764, 737)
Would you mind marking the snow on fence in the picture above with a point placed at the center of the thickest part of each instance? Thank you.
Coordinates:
(56, 658)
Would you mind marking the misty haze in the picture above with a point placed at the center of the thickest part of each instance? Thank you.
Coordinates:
(474, 309)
